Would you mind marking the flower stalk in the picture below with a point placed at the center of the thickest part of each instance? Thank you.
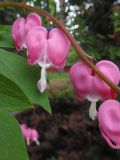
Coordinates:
(82, 54)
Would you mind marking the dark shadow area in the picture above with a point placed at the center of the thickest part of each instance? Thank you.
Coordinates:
(68, 134)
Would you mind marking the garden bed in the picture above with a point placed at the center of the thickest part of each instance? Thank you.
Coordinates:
(67, 134)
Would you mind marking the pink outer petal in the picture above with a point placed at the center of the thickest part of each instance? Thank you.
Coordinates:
(82, 80)
(109, 122)
(32, 20)
(18, 33)
(24, 130)
(58, 47)
(34, 135)
(36, 44)
(112, 72)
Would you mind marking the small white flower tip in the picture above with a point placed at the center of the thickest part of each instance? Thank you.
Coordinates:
(28, 141)
(42, 85)
(92, 110)
(37, 142)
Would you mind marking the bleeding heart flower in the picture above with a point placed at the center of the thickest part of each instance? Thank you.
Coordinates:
(46, 48)
(21, 27)
(109, 122)
(89, 86)
(30, 135)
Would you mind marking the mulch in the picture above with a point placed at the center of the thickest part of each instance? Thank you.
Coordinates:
(67, 133)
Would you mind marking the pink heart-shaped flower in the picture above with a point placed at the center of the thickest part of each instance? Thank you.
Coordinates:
(47, 47)
(109, 122)
(21, 27)
(88, 85)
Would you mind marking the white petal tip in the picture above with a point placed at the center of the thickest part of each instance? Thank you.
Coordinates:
(41, 86)
(37, 142)
(28, 141)
(93, 116)
(42, 83)
(93, 111)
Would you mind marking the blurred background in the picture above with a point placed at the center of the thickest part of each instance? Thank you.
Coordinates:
(69, 133)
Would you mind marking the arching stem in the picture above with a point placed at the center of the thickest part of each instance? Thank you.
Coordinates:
(78, 49)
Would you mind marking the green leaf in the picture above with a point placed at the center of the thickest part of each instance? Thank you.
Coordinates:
(12, 145)
(15, 68)
(12, 97)
(6, 36)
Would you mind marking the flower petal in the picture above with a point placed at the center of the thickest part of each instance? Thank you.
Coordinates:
(80, 75)
(109, 122)
(42, 83)
(58, 47)
(92, 110)
(36, 44)
(112, 72)
(18, 33)
(32, 20)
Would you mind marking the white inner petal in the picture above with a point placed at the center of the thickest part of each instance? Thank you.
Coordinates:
(92, 110)
(42, 64)
(37, 142)
(42, 83)
(44, 61)
(93, 97)
(28, 141)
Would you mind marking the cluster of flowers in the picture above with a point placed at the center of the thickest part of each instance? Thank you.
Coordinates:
(45, 47)
(30, 135)
(50, 48)
(89, 86)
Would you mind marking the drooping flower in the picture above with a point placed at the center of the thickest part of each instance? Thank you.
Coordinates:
(89, 86)
(46, 48)
(30, 135)
(109, 122)
(21, 27)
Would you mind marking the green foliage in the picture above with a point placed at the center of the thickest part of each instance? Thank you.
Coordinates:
(116, 21)
(60, 85)
(6, 36)
(11, 140)
(12, 97)
(72, 56)
(113, 52)
(16, 69)
(92, 23)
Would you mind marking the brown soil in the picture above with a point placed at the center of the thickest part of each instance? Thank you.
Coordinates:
(68, 134)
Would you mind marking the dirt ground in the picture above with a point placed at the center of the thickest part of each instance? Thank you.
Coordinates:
(67, 134)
